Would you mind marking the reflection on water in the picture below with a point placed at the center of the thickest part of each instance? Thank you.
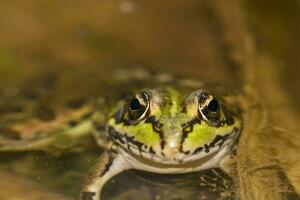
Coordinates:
(208, 184)
(205, 185)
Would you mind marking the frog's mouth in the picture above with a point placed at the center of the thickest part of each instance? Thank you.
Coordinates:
(188, 164)
(137, 151)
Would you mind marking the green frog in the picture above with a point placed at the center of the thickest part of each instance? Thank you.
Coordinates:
(179, 127)
(165, 131)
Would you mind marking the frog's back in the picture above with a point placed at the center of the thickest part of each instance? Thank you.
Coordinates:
(51, 100)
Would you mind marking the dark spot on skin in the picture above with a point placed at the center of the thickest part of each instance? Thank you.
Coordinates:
(184, 109)
(107, 166)
(115, 135)
(156, 126)
(150, 119)
(199, 149)
(229, 120)
(111, 154)
(130, 139)
(203, 97)
(87, 195)
(152, 151)
(184, 135)
(186, 129)
(162, 144)
(187, 152)
(206, 148)
(218, 139)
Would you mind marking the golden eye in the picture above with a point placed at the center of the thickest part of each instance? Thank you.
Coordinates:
(138, 106)
(209, 108)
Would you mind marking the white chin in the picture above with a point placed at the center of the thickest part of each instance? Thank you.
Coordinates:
(196, 162)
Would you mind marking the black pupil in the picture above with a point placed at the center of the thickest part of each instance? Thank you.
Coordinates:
(135, 104)
(213, 106)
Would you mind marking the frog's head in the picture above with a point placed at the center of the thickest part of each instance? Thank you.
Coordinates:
(169, 127)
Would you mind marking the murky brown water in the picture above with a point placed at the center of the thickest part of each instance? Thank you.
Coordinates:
(83, 42)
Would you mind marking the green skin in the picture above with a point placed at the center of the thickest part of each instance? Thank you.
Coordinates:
(165, 131)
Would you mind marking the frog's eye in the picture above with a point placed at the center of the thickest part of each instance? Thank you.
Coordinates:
(209, 108)
(138, 106)
(213, 106)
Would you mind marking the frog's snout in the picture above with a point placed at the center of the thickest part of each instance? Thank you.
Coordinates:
(172, 141)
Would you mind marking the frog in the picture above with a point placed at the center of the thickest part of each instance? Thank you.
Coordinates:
(178, 126)
(165, 131)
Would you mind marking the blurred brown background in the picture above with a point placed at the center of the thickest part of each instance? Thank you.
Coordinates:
(173, 35)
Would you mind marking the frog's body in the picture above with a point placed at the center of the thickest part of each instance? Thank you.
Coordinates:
(165, 129)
